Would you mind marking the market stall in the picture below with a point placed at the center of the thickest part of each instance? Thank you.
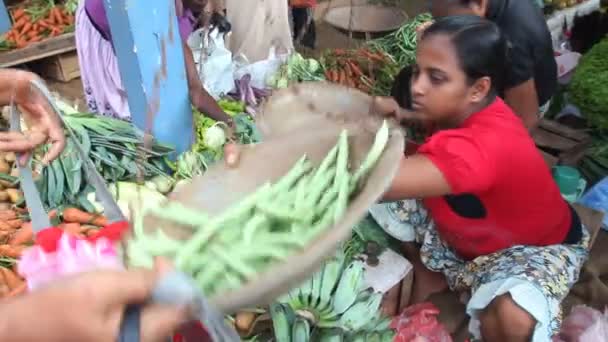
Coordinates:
(339, 296)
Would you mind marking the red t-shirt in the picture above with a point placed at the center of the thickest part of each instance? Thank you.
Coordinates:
(502, 190)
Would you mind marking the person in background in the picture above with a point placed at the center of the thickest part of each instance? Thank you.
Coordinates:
(100, 74)
(531, 76)
(258, 25)
(484, 187)
(302, 14)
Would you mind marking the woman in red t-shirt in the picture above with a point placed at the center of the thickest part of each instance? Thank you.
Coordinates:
(492, 223)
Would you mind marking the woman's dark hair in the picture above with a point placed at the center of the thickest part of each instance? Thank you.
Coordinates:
(401, 91)
(481, 47)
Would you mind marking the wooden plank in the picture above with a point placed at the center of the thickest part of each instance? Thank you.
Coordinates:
(592, 219)
(563, 130)
(49, 47)
(549, 159)
(546, 139)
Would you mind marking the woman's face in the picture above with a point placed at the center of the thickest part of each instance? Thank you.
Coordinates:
(440, 90)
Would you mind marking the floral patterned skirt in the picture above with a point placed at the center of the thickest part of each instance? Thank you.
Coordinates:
(537, 278)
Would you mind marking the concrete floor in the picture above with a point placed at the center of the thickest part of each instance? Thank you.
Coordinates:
(327, 37)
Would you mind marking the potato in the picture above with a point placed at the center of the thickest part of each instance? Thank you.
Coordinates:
(5, 206)
(6, 184)
(4, 196)
(14, 195)
(10, 157)
(4, 167)
(15, 172)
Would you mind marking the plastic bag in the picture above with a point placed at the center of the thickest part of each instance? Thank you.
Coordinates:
(261, 71)
(584, 324)
(597, 198)
(418, 323)
(218, 68)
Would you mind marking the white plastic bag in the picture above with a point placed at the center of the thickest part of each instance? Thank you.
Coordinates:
(261, 71)
(217, 68)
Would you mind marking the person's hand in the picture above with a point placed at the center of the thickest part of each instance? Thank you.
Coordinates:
(90, 307)
(421, 28)
(389, 108)
(232, 154)
(43, 125)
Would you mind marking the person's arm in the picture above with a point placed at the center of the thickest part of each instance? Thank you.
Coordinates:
(417, 177)
(198, 95)
(523, 99)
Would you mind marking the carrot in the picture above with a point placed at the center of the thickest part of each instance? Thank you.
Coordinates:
(20, 23)
(6, 215)
(35, 38)
(356, 70)
(16, 223)
(23, 236)
(58, 15)
(10, 278)
(73, 215)
(44, 24)
(349, 72)
(21, 289)
(56, 31)
(11, 251)
(18, 13)
(342, 77)
(328, 75)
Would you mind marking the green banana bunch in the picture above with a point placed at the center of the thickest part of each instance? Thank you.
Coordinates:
(332, 306)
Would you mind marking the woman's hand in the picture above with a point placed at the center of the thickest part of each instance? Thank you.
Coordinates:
(43, 124)
(389, 108)
(90, 307)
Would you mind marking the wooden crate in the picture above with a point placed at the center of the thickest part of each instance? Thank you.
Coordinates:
(561, 142)
(37, 51)
(63, 67)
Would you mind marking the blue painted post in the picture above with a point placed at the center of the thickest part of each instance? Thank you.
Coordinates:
(5, 20)
(148, 46)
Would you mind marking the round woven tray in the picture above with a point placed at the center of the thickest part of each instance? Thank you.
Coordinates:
(366, 18)
(305, 119)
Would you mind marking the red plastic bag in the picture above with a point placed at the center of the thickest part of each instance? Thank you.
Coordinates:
(418, 323)
(303, 3)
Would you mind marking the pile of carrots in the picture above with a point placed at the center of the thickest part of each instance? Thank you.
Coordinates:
(27, 30)
(360, 68)
(16, 235)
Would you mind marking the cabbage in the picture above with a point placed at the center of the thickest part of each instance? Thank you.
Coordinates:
(214, 137)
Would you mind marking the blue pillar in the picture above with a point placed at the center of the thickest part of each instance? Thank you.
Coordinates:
(148, 46)
(5, 21)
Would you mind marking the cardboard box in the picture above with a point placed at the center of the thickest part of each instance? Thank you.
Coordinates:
(63, 67)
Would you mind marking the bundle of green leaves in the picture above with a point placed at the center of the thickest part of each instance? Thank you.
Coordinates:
(589, 86)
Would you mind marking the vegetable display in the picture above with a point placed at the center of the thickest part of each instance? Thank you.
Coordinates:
(332, 306)
(370, 72)
(115, 147)
(401, 44)
(247, 94)
(589, 90)
(265, 227)
(297, 69)
(38, 20)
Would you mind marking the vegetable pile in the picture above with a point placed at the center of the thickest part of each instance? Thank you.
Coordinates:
(247, 94)
(297, 69)
(265, 227)
(115, 147)
(589, 90)
(38, 20)
(401, 44)
(370, 72)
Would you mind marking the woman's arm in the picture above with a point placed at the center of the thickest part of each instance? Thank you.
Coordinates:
(417, 177)
(199, 96)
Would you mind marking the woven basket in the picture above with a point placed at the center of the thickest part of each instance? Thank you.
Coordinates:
(305, 119)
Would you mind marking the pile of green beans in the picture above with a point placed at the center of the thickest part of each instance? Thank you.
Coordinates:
(265, 227)
(401, 44)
